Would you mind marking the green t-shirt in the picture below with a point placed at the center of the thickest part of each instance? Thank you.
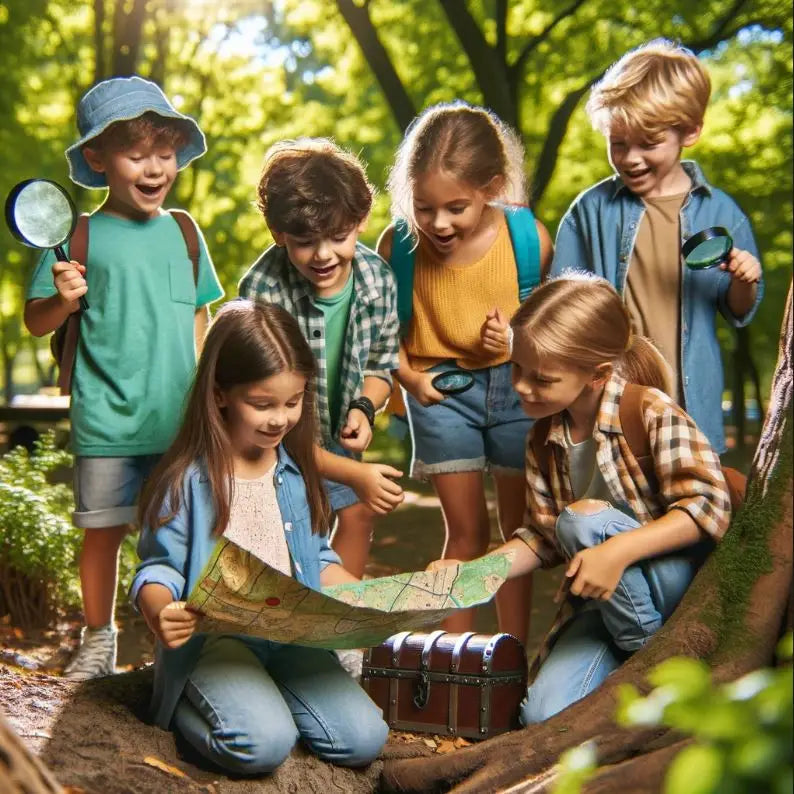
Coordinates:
(336, 311)
(136, 356)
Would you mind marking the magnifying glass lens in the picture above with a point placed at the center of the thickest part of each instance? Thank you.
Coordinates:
(709, 252)
(43, 214)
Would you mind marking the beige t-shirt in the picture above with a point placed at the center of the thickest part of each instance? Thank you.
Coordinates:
(255, 522)
(653, 287)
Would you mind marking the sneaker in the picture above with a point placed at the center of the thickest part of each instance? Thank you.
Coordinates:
(96, 655)
(351, 661)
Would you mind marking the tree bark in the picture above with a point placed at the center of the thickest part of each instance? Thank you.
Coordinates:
(732, 616)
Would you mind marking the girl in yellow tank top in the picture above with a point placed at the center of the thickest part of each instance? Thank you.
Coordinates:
(455, 163)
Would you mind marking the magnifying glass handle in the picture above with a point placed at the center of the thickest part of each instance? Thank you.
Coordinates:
(61, 257)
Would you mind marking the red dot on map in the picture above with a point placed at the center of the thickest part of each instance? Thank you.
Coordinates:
(273, 601)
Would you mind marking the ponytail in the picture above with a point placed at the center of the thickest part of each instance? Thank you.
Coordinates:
(643, 364)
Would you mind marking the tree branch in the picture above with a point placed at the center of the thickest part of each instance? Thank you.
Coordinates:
(516, 68)
(489, 71)
(360, 24)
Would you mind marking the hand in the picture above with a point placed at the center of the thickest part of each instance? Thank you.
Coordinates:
(495, 333)
(175, 624)
(422, 389)
(595, 572)
(357, 433)
(742, 266)
(375, 489)
(437, 565)
(69, 281)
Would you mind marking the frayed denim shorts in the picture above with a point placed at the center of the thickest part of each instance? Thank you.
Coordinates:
(482, 429)
(106, 490)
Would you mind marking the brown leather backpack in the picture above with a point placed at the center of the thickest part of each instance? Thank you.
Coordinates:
(63, 342)
(631, 421)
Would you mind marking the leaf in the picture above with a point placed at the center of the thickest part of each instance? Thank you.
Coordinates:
(150, 760)
(696, 769)
(430, 743)
(460, 742)
(446, 746)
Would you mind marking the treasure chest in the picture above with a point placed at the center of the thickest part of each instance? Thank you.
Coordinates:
(450, 684)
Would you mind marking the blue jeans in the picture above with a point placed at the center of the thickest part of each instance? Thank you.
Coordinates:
(247, 702)
(602, 634)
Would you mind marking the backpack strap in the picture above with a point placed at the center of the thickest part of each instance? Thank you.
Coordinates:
(189, 232)
(402, 265)
(526, 246)
(78, 251)
(633, 426)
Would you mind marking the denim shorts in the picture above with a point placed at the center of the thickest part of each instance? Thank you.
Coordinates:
(340, 496)
(106, 489)
(481, 429)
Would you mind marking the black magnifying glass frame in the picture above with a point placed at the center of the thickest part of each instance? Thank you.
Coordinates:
(453, 381)
(41, 214)
(717, 242)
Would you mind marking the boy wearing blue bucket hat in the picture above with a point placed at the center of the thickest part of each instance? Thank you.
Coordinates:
(137, 345)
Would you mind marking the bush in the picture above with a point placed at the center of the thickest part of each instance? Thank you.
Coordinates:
(39, 547)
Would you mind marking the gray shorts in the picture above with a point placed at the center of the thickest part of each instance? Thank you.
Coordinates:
(106, 490)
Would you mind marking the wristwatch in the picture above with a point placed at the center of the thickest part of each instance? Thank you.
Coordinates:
(366, 406)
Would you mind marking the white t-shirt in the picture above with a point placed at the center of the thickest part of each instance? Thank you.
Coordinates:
(586, 478)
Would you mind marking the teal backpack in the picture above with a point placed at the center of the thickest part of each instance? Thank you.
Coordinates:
(526, 250)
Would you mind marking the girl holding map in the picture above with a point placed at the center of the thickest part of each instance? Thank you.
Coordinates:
(242, 466)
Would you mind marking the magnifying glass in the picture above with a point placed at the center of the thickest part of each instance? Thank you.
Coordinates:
(708, 248)
(41, 214)
(453, 381)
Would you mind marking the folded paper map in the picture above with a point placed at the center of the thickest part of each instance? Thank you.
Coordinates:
(239, 594)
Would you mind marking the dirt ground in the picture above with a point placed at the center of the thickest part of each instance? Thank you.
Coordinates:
(93, 736)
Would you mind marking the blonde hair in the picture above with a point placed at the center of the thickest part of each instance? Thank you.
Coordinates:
(649, 90)
(579, 320)
(468, 142)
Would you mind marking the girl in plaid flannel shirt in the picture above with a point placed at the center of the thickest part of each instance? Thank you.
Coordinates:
(631, 547)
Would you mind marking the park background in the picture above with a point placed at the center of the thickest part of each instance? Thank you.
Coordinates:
(358, 71)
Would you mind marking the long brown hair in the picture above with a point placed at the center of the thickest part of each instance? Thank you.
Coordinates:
(246, 342)
(579, 319)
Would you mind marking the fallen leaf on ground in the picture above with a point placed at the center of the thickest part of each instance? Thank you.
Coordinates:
(446, 746)
(430, 743)
(163, 767)
(461, 742)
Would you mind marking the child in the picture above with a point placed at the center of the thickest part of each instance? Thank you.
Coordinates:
(137, 346)
(243, 466)
(629, 228)
(631, 544)
(453, 168)
(316, 199)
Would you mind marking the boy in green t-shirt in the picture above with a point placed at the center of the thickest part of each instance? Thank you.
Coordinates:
(316, 199)
(138, 340)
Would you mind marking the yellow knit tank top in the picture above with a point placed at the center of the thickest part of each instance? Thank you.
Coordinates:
(451, 302)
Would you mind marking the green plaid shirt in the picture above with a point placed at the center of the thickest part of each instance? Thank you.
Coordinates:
(372, 339)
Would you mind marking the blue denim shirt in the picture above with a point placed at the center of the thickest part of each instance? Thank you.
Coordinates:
(598, 233)
(175, 555)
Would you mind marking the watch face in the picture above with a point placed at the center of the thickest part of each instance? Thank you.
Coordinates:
(453, 381)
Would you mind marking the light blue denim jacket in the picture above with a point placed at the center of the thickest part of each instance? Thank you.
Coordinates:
(598, 233)
(175, 554)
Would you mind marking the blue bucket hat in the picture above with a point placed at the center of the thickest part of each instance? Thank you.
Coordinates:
(123, 99)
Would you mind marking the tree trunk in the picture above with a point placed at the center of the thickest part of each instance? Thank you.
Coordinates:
(731, 616)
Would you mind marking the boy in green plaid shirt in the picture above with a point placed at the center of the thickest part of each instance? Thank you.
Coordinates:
(316, 199)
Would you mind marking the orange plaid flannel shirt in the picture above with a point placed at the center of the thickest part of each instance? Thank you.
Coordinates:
(687, 468)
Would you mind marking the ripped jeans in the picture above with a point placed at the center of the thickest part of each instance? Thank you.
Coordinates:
(601, 635)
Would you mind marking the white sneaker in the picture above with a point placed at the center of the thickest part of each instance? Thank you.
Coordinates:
(96, 655)
(351, 661)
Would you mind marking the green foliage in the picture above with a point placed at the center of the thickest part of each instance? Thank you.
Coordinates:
(742, 730)
(38, 544)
